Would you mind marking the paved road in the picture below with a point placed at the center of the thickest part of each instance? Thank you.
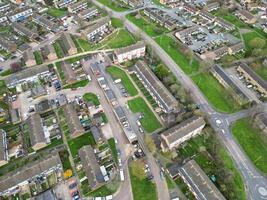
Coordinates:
(256, 183)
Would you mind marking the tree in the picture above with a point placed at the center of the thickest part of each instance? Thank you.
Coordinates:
(161, 71)
(257, 43)
(169, 80)
(150, 144)
(174, 88)
(15, 67)
(137, 168)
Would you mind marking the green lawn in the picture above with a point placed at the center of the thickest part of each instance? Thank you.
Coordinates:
(38, 57)
(58, 50)
(142, 189)
(169, 182)
(60, 71)
(2, 87)
(149, 122)
(76, 143)
(120, 38)
(6, 72)
(114, 5)
(84, 44)
(78, 84)
(250, 36)
(147, 26)
(252, 141)
(117, 23)
(113, 148)
(215, 93)
(171, 47)
(54, 12)
(118, 73)
(261, 71)
(91, 97)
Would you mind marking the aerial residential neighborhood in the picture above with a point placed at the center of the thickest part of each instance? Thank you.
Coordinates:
(133, 100)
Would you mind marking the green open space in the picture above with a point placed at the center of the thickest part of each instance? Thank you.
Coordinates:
(118, 6)
(55, 12)
(84, 44)
(215, 93)
(76, 143)
(58, 49)
(146, 25)
(78, 84)
(119, 38)
(113, 148)
(142, 189)
(91, 97)
(60, 71)
(117, 73)
(149, 121)
(172, 48)
(6, 72)
(3, 87)
(38, 57)
(253, 141)
(117, 23)
(215, 162)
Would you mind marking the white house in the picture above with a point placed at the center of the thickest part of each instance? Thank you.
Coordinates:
(129, 53)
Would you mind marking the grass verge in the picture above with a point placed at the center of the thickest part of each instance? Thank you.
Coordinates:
(149, 121)
(252, 141)
(117, 73)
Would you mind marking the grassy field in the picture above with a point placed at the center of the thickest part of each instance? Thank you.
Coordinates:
(150, 28)
(119, 39)
(250, 36)
(6, 72)
(252, 141)
(54, 12)
(78, 84)
(117, 23)
(60, 71)
(170, 46)
(149, 122)
(3, 87)
(215, 93)
(142, 189)
(38, 57)
(58, 50)
(113, 148)
(118, 73)
(91, 97)
(214, 160)
(84, 44)
(76, 143)
(114, 5)
(260, 70)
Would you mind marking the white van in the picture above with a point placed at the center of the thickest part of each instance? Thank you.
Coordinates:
(121, 175)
